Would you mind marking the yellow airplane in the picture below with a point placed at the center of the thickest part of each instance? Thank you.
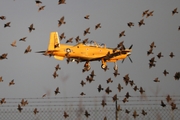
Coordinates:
(85, 52)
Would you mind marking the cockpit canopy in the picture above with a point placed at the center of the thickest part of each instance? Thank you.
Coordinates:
(95, 44)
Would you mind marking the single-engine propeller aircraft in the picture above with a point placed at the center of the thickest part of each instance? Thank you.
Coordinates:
(86, 51)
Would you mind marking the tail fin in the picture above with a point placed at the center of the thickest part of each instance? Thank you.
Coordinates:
(53, 41)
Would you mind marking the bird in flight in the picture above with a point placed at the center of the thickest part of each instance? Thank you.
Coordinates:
(141, 22)
(23, 39)
(13, 44)
(7, 24)
(145, 12)
(174, 11)
(28, 49)
(130, 24)
(61, 2)
(87, 17)
(31, 28)
(86, 31)
(3, 17)
(98, 26)
(122, 34)
(11, 83)
(61, 21)
(38, 2)
(56, 91)
(41, 8)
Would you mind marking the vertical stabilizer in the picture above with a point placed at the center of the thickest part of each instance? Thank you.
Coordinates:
(53, 41)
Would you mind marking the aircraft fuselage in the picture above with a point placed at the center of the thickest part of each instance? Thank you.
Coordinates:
(85, 52)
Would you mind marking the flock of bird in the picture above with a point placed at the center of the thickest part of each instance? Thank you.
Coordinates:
(90, 77)
(126, 78)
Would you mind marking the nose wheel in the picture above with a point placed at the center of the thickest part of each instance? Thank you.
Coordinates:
(115, 66)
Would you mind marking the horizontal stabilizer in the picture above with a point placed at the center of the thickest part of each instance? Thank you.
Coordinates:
(58, 57)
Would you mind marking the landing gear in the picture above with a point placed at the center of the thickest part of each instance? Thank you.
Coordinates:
(115, 66)
(103, 66)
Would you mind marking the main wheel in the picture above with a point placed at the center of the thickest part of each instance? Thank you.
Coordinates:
(103, 66)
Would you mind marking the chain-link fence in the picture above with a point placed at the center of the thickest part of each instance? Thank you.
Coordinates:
(94, 114)
(86, 109)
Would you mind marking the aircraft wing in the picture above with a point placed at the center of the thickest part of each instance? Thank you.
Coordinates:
(106, 57)
(109, 56)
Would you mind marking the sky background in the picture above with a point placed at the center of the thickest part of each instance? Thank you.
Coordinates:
(32, 72)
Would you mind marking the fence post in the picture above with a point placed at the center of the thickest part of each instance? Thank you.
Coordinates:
(116, 112)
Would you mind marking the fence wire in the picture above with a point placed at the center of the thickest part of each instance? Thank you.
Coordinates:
(54, 108)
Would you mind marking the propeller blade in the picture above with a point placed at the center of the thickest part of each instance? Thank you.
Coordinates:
(131, 46)
(123, 47)
(130, 59)
(123, 60)
(114, 49)
(40, 51)
(68, 60)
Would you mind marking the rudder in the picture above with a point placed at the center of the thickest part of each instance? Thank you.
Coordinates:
(53, 41)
